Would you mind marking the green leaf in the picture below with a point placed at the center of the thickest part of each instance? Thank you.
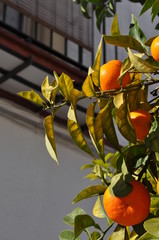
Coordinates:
(152, 141)
(118, 100)
(125, 68)
(126, 175)
(90, 192)
(76, 132)
(148, 4)
(76, 1)
(108, 126)
(47, 90)
(151, 226)
(153, 62)
(49, 137)
(119, 233)
(70, 218)
(65, 85)
(85, 166)
(133, 235)
(155, 205)
(108, 156)
(98, 210)
(90, 121)
(150, 40)
(95, 236)
(134, 99)
(124, 123)
(101, 12)
(91, 176)
(114, 159)
(55, 86)
(119, 187)
(115, 27)
(139, 229)
(84, 8)
(101, 163)
(134, 156)
(155, 9)
(33, 97)
(143, 98)
(136, 32)
(97, 171)
(140, 64)
(147, 236)
(75, 94)
(88, 88)
(66, 235)
(82, 222)
(96, 65)
(125, 42)
(95, 129)
(102, 102)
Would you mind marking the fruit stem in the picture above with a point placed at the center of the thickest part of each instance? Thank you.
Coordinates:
(144, 167)
(104, 232)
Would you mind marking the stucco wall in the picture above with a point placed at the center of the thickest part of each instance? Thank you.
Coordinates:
(36, 193)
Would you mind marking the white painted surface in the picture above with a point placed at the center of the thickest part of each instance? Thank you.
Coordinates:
(36, 193)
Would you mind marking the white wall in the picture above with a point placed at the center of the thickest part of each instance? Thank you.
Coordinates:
(36, 193)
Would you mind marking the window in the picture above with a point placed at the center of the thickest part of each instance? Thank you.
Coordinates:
(46, 34)
(29, 27)
(1, 11)
(87, 58)
(72, 50)
(12, 17)
(43, 34)
(58, 42)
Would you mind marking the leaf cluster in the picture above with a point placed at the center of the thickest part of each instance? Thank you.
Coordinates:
(107, 8)
(107, 115)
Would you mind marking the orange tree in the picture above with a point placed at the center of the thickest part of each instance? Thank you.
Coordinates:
(128, 177)
(107, 8)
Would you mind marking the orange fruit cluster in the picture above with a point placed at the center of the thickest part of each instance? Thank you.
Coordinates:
(155, 49)
(141, 120)
(131, 209)
(109, 74)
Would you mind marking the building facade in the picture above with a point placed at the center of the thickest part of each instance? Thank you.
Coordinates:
(36, 193)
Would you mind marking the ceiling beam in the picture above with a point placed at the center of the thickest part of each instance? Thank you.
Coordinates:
(16, 70)
(22, 80)
(42, 59)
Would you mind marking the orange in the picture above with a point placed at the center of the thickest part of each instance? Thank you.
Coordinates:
(131, 209)
(141, 120)
(155, 49)
(109, 73)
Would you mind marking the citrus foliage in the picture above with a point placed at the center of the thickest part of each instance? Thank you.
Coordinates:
(138, 160)
(107, 8)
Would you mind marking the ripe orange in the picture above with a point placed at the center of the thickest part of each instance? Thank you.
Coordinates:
(131, 209)
(141, 120)
(155, 49)
(109, 73)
